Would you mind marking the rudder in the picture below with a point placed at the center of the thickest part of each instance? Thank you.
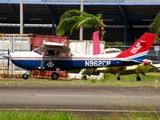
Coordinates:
(140, 48)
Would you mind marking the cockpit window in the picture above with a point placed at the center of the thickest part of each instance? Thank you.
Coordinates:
(52, 53)
(38, 50)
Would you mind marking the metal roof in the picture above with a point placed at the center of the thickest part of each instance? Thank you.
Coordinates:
(50, 11)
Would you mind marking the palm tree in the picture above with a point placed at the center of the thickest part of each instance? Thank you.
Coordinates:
(155, 26)
(74, 19)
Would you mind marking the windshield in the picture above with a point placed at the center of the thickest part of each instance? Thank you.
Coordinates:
(73, 53)
(38, 50)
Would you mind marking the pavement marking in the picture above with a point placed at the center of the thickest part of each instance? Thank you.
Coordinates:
(101, 96)
(86, 110)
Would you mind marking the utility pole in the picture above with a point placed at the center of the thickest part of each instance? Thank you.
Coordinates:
(81, 28)
(21, 17)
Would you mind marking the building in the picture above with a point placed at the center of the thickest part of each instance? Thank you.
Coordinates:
(126, 20)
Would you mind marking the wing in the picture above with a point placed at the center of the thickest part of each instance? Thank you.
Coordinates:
(55, 46)
(141, 69)
(112, 70)
(122, 70)
(52, 48)
(129, 70)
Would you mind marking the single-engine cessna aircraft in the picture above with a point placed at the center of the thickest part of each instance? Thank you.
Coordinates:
(56, 56)
(143, 68)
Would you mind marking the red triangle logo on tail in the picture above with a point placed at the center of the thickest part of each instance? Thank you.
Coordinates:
(142, 45)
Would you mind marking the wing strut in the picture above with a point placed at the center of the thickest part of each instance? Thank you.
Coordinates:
(42, 62)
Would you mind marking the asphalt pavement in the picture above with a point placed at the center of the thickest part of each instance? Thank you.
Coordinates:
(80, 98)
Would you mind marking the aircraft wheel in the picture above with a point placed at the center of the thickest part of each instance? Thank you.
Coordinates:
(118, 78)
(25, 76)
(138, 78)
(55, 76)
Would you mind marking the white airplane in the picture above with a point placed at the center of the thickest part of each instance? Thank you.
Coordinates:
(56, 56)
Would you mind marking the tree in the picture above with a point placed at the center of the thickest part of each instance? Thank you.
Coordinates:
(155, 26)
(74, 19)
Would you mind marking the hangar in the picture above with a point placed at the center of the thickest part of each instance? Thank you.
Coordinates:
(126, 20)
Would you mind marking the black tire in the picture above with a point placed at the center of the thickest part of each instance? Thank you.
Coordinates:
(25, 76)
(138, 78)
(118, 78)
(55, 76)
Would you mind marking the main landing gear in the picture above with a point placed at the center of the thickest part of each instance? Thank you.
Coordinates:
(54, 76)
(118, 78)
(138, 78)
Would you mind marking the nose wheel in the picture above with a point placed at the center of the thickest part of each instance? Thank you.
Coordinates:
(55, 76)
(138, 77)
(25, 76)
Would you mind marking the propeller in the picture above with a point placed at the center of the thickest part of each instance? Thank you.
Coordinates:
(155, 68)
(149, 62)
(7, 56)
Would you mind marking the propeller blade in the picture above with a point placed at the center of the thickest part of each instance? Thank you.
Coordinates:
(155, 68)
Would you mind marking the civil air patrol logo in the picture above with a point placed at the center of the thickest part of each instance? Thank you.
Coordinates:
(50, 64)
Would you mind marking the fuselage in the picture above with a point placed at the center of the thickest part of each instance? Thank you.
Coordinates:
(32, 61)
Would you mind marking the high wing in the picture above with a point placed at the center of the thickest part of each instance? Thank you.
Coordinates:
(56, 49)
(55, 46)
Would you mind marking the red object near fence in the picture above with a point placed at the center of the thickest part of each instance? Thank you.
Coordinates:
(36, 41)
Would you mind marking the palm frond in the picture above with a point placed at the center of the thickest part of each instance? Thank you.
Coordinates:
(70, 13)
(74, 19)
(65, 25)
(155, 26)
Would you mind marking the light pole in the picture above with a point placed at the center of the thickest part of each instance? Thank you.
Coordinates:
(81, 28)
(21, 17)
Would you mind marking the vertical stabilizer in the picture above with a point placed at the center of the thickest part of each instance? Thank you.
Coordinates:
(140, 48)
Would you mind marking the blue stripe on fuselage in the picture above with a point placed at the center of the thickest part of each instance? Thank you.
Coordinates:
(65, 64)
(68, 64)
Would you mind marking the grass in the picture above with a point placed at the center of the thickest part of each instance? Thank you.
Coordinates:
(63, 115)
(109, 80)
(35, 115)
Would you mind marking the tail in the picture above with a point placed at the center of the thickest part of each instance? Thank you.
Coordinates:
(140, 48)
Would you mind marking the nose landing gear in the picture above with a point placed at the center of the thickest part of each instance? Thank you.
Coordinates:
(25, 75)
